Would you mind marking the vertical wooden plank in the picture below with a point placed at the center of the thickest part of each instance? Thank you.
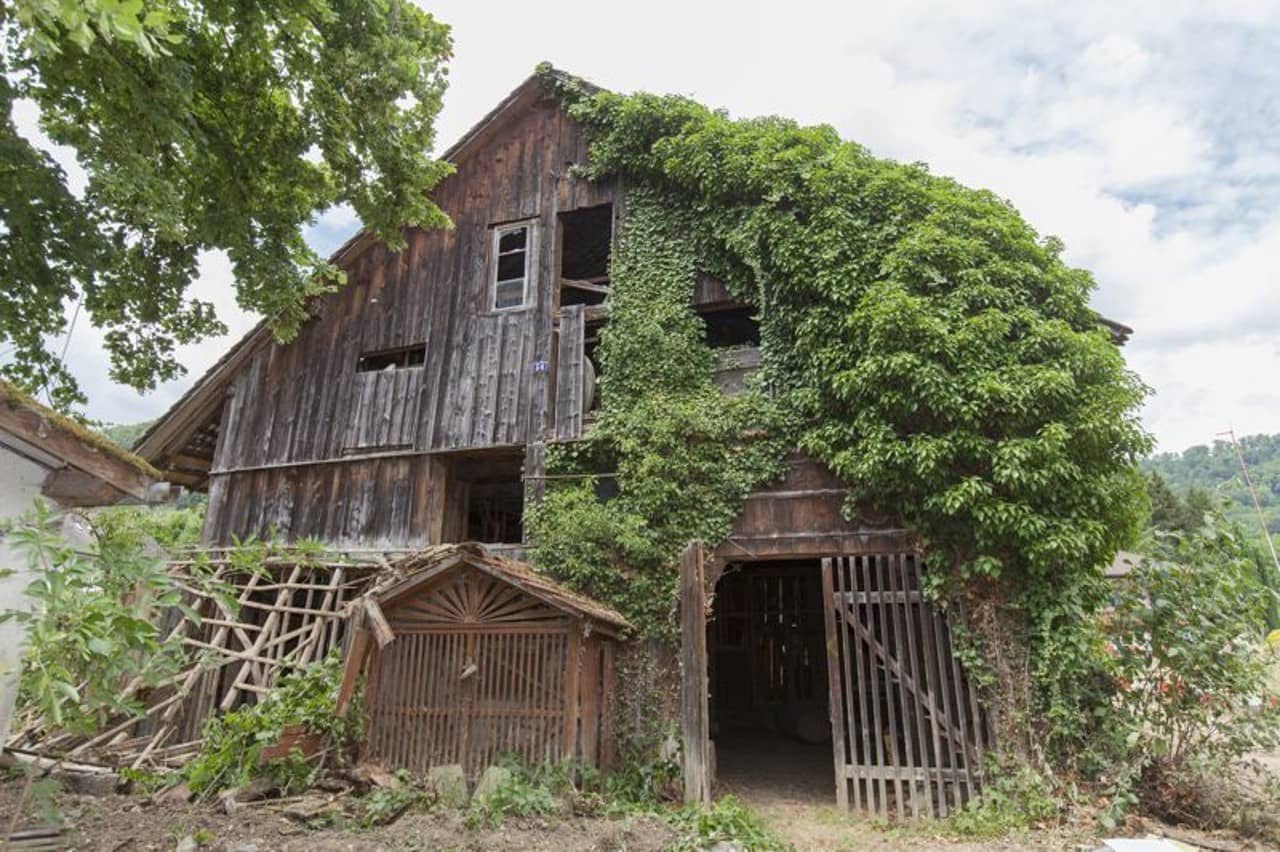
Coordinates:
(573, 660)
(694, 725)
(931, 666)
(906, 693)
(873, 622)
(607, 707)
(589, 705)
(569, 368)
(964, 765)
(846, 585)
(942, 696)
(912, 606)
(834, 687)
(895, 698)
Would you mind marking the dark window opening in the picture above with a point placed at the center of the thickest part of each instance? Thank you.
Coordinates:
(585, 238)
(495, 512)
(392, 359)
(732, 327)
(487, 488)
(511, 266)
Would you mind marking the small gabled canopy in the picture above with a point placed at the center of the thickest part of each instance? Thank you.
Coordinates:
(413, 573)
(84, 468)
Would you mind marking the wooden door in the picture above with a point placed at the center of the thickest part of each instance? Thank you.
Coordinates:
(907, 730)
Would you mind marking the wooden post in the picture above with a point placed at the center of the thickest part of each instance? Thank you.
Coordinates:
(834, 686)
(695, 726)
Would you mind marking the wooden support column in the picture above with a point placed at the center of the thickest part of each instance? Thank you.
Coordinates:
(695, 726)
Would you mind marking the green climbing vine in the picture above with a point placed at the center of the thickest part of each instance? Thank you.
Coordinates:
(673, 457)
(919, 338)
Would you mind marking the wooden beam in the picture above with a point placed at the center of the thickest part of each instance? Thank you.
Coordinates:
(188, 462)
(32, 426)
(71, 487)
(378, 623)
(694, 723)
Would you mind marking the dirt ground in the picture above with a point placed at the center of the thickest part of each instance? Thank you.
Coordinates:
(120, 823)
(123, 823)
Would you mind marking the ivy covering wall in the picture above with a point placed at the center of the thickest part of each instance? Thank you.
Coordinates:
(919, 338)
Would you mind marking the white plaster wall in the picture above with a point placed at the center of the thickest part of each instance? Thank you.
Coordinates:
(20, 481)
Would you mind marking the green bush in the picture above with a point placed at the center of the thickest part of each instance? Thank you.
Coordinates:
(728, 819)
(230, 753)
(1014, 798)
(92, 627)
(1191, 668)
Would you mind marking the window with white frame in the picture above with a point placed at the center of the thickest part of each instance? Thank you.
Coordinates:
(513, 266)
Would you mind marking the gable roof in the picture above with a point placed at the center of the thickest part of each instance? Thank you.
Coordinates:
(411, 573)
(200, 403)
(197, 407)
(85, 468)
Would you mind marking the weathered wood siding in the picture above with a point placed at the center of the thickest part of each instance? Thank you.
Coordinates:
(802, 515)
(298, 412)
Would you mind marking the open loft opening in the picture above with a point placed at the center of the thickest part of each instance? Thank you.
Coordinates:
(400, 358)
(730, 326)
(585, 238)
(490, 485)
(767, 659)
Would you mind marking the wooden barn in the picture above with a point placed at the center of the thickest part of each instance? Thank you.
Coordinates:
(415, 409)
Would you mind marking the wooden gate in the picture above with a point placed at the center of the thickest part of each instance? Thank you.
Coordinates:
(907, 729)
(442, 697)
(481, 657)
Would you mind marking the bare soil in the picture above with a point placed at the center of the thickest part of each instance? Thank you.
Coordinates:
(119, 822)
(135, 822)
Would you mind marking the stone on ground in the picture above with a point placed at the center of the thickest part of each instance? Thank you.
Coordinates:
(493, 778)
(449, 784)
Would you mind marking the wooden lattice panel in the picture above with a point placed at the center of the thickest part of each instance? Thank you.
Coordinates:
(446, 697)
(472, 599)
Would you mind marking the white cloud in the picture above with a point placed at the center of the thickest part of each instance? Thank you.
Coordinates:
(1141, 133)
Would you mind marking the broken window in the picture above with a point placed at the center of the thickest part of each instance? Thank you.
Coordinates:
(729, 328)
(585, 237)
(392, 359)
(513, 266)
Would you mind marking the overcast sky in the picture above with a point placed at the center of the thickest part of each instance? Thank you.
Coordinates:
(1146, 138)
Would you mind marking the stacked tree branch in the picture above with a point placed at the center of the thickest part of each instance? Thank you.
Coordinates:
(244, 623)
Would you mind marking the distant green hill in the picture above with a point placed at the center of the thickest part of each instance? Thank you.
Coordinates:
(125, 434)
(1216, 470)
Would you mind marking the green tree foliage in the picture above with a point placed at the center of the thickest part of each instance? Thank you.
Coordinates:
(126, 434)
(1215, 470)
(1171, 513)
(922, 339)
(201, 124)
(682, 456)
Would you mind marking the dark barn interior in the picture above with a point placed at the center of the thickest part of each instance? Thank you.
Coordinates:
(768, 677)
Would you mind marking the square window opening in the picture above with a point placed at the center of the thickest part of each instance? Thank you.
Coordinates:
(732, 328)
(586, 236)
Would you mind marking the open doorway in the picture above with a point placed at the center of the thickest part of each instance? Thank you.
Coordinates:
(767, 663)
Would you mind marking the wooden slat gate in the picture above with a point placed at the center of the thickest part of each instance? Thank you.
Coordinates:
(478, 668)
(907, 729)
(469, 697)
